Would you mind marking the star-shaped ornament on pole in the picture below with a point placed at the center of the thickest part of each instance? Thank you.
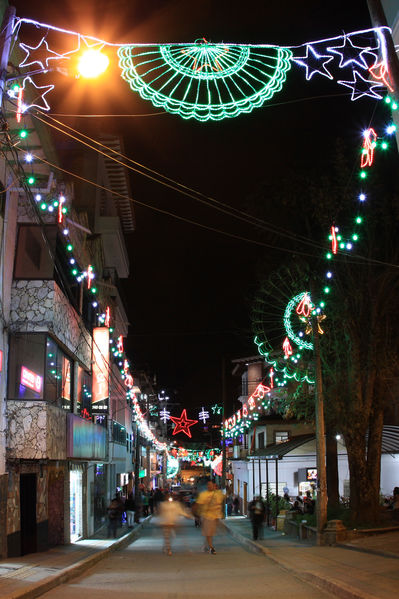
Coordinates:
(40, 55)
(362, 87)
(351, 55)
(183, 424)
(314, 63)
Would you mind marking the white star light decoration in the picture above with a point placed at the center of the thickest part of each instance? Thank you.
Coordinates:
(203, 415)
(38, 94)
(164, 415)
(313, 63)
(367, 62)
(32, 49)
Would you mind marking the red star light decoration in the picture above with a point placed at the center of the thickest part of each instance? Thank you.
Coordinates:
(183, 424)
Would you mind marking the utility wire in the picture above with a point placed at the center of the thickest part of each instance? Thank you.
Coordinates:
(162, 211)
(180, 187)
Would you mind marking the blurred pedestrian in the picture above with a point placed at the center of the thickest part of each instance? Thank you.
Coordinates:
(308, 503)
(158, 497)
(145, 504)
(257, 513)
(130, 509)
(170, 511)
(209, 506)
(236, 505)
(229, 504)
(114, 512)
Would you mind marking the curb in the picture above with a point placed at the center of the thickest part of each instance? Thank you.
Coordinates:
(340, 589)
(35, 590)
(372, 551)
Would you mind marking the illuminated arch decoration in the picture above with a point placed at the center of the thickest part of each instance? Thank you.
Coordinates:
(205, 81)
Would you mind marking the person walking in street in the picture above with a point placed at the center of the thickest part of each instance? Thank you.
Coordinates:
(114, 512)
(170, 511)
(236, 505)
(257, 513)
(209, 506)
(145, 503)
(130, 508)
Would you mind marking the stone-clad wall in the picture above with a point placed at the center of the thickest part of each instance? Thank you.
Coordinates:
(40, 306)
(36, 431)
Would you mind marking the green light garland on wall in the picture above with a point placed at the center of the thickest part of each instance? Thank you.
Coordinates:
(205, 81)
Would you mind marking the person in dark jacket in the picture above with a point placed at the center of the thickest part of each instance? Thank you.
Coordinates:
(130, 509)
(257, 512)
(114, 512)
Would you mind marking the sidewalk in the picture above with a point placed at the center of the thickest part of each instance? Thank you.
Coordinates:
(32, 575)
(367, 568)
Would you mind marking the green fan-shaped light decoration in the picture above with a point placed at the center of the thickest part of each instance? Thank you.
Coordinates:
(205, 81)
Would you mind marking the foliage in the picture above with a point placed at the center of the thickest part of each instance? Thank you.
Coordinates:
(360, 347)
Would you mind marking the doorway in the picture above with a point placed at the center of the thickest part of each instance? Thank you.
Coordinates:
(27, 488)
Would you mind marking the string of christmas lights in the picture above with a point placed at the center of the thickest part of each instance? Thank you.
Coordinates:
(208, 81)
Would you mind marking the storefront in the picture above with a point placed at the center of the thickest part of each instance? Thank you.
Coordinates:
(76, 502)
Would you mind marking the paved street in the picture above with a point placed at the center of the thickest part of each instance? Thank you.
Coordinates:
(143, 570)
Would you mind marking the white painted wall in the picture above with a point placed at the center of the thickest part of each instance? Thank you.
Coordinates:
(291, 463)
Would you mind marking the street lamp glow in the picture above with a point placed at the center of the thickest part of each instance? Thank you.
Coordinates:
(92, 64)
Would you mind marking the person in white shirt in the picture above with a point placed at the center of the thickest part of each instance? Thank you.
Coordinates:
(169, 513)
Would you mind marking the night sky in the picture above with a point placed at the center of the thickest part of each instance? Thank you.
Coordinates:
(190, 290)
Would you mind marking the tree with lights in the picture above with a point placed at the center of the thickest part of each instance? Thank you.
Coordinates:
(360, 344)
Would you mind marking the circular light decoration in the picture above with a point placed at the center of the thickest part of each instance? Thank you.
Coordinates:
(205, 81)
(280, 312)
(172, 467)
(303, 317)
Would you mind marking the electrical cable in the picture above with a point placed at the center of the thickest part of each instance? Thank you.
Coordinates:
(162, 211)
(180, 187)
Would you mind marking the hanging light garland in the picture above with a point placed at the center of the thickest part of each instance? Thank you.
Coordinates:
(203, 80)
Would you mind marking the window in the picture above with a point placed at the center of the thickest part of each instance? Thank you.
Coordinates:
(261, 440)
(35, 251)
(58, 377)
(26, 361)
(281, 436)
(244, 384)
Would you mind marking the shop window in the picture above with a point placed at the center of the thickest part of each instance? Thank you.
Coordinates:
(35, 252)
(244, 384)
(84, 396)
(58, 376)
(281, 436)
(26, 361)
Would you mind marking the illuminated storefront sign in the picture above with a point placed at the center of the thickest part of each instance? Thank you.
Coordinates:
(31, 380)
(66, 382)
(100, 391)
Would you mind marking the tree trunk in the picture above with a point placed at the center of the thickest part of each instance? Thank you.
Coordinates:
(332, 470)
(374, 459)
(363, 493)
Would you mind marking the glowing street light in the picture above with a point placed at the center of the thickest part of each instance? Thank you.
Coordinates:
(92, 64)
